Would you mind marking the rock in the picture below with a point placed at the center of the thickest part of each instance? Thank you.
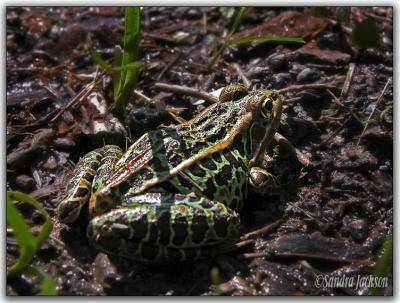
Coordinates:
(358, 230)
(308, 75)
(281, 80)
(278, 61)
(105, 129)
(64, 143)
(26, 183)
(51, 163)
(28, 148)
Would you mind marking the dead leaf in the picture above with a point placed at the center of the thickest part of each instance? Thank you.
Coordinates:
(287, 24)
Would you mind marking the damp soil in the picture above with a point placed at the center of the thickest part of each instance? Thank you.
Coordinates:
(334, 206)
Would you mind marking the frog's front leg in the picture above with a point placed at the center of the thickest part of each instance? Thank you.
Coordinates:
(262, 181)
(159, 227)
(90, 173)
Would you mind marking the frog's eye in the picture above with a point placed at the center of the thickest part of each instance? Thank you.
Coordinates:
(267, 106)
(233, 93)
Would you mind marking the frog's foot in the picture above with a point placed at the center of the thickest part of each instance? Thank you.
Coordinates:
(262, 181)
(160, 227)
(90, 173)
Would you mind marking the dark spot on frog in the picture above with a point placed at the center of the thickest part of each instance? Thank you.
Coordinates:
(180, 229)
(208, 163)
(233, 161)
(153, 233)
(82, 192)
(183, 181)
(197, 171)
(220, 226)
(210, 188)
(158, 164)
(238, 144)
(217, 157)
(149, 252)
(224, 176)
(164, 226)
(140, 227)
(199, 225)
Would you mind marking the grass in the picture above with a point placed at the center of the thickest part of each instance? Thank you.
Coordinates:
(241, 12)
(126, 66)
(384, 265)
(28, 243)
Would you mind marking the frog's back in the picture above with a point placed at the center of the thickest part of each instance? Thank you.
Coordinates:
(156, 153)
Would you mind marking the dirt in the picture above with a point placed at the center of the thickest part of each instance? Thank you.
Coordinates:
(334, 207)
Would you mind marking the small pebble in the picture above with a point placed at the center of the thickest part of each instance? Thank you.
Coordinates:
(278, 61)
(308, 75)
(358, 230)
(26, 183)
(281, 80)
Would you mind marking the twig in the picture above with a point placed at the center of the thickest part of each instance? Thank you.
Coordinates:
(255, 255)
(338, 102)
(141, 95)
(210, 99)
(337, 130)
(79, 96)
(239, 71)
(244, 243)
(307, 86)
(168, 66)
(285, 143)
(347, 81)
(373, 111)
(261, 231)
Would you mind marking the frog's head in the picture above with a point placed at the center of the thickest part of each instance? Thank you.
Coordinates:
(261, 116)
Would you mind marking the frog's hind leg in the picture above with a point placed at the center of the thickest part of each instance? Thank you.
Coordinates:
(159, 227)
(93, 166)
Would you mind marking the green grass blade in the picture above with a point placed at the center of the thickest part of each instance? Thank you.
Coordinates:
(97, 59)
(241, 12)
(28, 244)
(128, 77)
(266, 38)
(47, 283)
(384, 264)
(117, 61)
(133, 65)
(238, 19)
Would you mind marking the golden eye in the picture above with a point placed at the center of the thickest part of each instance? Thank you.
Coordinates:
(267, 107)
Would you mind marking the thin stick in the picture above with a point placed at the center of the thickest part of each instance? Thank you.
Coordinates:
(338, 102)
(210, 99)
(349, 78)
(79, 96)
(168, 66)
(239, 71)
(373, 111)
(261, 231)
(141, 95)
(244, 243)
(307, 86)
(338, 129)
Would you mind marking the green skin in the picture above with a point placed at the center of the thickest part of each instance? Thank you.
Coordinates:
(174, 193)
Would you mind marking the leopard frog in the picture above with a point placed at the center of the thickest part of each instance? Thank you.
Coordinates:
(174, 194)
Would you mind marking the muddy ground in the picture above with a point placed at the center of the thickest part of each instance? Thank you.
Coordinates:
(334, 207)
